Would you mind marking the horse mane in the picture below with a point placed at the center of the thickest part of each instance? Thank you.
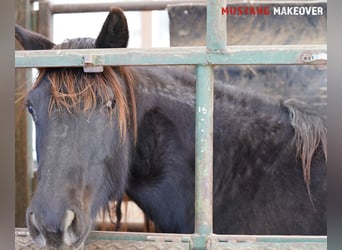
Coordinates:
(310, 132)
(75, 91)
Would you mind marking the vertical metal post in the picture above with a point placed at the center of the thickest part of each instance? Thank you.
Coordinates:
(23, 141)
(216, 41)
(216, 25)
(204, 150)
(146, 33)
(45, 20)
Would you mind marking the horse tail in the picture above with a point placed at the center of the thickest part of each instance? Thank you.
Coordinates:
(310, 132)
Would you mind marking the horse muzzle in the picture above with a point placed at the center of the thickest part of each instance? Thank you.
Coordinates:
(68, 231)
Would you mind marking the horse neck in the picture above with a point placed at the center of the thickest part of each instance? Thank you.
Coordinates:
(164, 149)
(164, 89)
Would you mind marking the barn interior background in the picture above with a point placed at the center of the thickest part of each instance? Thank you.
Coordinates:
(172, 23)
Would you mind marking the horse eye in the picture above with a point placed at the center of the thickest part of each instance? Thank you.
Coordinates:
(110, 104)
(30, 109)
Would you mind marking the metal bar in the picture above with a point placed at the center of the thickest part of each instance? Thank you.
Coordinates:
(296, 54)
(23, 136)
(146, 25)
(216, 26)
(133, 5)
(122, 240)
(125, 5)
(216, 42)
(268, 246)
(276, 2)
(204, 150)
(269, 238)
(133, 236)
(45, 20)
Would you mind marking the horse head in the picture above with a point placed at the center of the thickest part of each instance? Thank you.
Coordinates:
(82, 138)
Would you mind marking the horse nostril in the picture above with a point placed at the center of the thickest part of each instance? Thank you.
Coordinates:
(69, 227)
(68, 219)
(33, 220)
(34, 230)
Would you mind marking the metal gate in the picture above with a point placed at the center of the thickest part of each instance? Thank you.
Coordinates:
(216, 52)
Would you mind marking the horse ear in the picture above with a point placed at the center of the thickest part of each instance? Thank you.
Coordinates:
(114, 32)
(31, 40)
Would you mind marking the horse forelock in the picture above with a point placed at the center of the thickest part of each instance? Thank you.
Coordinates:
(75, 91)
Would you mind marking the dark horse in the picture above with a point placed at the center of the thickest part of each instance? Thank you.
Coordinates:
(131, 129)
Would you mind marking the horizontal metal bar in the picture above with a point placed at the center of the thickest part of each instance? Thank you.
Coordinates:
(100, 235)
(284, 54)
(268, 238)
(267, 246)
(276, 2)
(122, 240)
(57, 8)
(110, 235)
(262, 242)
(125, 5)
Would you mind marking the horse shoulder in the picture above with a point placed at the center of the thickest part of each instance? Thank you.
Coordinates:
(161, 181)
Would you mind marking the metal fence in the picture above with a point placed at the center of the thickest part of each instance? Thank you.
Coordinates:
(216, 52)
